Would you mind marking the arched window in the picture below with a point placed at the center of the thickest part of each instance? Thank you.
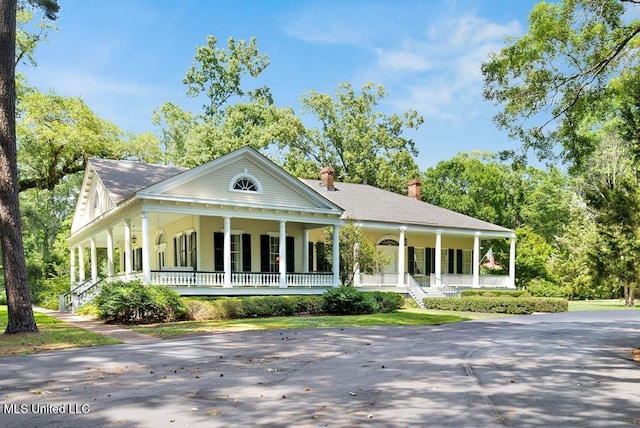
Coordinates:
(245, 182)
(389, 242)
(161, 248)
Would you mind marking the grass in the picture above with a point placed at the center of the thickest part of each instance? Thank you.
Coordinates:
(53, 335)
(400, 318)
(600, 305)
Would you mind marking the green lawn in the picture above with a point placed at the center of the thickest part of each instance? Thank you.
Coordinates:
(53, 335)
(600, 305)
(403, 317)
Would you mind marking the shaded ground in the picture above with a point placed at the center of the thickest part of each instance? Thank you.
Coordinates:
(571, 369)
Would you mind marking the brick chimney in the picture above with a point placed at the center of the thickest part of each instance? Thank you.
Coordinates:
(326, 175)
(414, 188)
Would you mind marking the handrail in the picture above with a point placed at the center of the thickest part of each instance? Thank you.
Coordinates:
(446, 289)
(415, 290)
(72, 300)
(80, 285)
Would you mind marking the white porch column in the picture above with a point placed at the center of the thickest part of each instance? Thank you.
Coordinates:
(357, 280)
(198, 251)
(81, 276)
(282, 253)
(227, 252)
(476, 260)
(127, 247)
(94, 260)
(72, 263)
(110, 270)
(401, 257)
(146, 260)
(336, 255)
(305, 251)
(438, 268)
(512, 261)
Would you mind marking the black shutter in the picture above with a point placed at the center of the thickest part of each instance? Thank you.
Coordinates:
(194, 250)
(430, 264)
(451, 261)
(310, 256)
(412, 261)
(321, 261)
(265, 266)
(246, 252)
(175, 251)
(218, 251)
(458, 261)
(291, 254)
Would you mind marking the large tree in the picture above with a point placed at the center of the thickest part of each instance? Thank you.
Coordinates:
(20, 313)
(553, 81)
(362, 144)
(611, 190)
(218, 73)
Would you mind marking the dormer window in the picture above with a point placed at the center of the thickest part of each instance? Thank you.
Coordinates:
(245, 182)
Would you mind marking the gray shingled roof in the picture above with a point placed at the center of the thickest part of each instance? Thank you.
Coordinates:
(368, 203)
(360, 201)
(124, 178)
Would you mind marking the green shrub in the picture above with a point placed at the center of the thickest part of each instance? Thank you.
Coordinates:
(348, 300)
(542, 288)
(127, 302)
(498, 292)
(202, 308)
(505, 305)
(388, 301)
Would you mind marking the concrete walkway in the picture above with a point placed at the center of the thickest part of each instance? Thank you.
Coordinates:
(97, 326)
(541, 371)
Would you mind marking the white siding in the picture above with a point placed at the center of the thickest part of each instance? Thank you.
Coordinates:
(215, 186)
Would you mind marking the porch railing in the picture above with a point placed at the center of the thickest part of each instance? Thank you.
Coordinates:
(239, 279)
(379, 279)
(457, 280)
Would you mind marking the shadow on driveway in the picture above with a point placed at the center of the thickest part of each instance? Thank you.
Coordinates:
(571, 369)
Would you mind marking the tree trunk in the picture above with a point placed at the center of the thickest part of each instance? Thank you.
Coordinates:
(20, 313)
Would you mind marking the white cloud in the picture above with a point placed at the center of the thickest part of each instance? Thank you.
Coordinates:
(439, 73)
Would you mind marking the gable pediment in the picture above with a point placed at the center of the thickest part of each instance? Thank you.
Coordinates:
(245, 178)
(93, 199)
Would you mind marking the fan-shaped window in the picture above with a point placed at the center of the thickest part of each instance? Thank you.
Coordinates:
(245, 182)
(389, 242)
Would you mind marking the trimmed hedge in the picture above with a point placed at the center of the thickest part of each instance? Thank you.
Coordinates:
(504, 305)
(202, 308)
(499, 292)
(343, 300)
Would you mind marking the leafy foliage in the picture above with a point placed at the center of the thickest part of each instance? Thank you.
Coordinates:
(218, 73)
(357, 253)
(348, 300)
(127, 302)
(553, 80)
(362, 144)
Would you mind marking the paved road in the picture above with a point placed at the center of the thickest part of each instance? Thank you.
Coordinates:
(563, 370)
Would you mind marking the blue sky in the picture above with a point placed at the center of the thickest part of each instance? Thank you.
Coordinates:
(126, 58)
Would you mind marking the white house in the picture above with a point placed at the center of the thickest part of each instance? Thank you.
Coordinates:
(241, 225)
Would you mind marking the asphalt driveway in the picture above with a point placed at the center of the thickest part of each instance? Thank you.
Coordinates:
(561, 370)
